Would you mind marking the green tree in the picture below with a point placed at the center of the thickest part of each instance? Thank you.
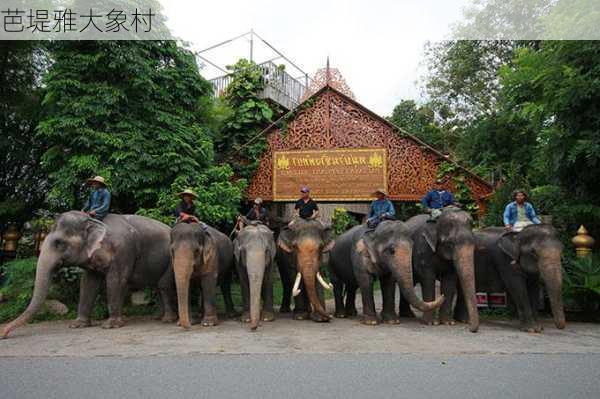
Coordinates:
(134, 112)
(240, 137)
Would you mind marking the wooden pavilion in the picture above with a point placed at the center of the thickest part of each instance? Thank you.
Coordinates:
(343, 152)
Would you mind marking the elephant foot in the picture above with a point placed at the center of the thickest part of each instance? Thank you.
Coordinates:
(447, 322)
(532, 328)
(285, 309)
(232, 314)
(169, 318)
(79, 323)
(351, 312)
(268, 315)
(301, 316)
(113, 322)
(209, 321)
(370, 320)
(390, 318)
(339, 315)
(428, 322)
(245, 318)
(319, 318)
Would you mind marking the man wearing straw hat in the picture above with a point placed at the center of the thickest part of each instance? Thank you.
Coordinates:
(381, 209)
(99, 200)
(186, 210)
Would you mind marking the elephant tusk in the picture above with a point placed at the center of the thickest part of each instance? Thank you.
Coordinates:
(325, 284)
(296, 289)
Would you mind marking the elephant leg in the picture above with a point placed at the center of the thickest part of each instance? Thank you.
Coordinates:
(404, 308)
(268, 313)
(245, 288)
(448, 287)
(338, 295)
(209, 296)
(533, 292)
(460, 309)
(167, 296)
(388, 293)
(226, 290)
(286, 285)
(350, 308)
(518, 291)
(365, 281)
(428, 289)
(88, 291)
(116, 289)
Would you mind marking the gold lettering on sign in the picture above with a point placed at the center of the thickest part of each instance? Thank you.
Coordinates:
(333, 175)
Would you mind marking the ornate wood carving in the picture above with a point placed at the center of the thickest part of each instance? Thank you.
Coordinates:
(333, 120)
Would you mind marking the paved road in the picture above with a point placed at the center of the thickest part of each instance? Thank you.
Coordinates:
(307, 376)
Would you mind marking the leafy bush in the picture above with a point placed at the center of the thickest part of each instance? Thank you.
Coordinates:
(341, 221)
(581, 282)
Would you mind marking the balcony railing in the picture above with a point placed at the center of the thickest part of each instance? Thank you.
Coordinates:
(280, 86)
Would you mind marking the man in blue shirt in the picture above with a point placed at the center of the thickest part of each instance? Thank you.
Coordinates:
(99, 201)
(519, 213)
(382, 208)
(436, 199)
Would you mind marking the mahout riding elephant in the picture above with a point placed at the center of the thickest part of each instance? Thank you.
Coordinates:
(362, 254)
(515, 263)
(125, 251)
(254, 250)
(203, 256)
(444, 250)
(306, 241)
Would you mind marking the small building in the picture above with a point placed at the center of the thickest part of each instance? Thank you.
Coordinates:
(344, 152)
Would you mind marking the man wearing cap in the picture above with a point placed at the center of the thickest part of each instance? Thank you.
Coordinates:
(186, 210)
(436, 199)
(381, 209)
(305, 207)
(258, 212)
(99, 200)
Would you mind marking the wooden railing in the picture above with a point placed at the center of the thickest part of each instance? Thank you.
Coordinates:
(280, 86)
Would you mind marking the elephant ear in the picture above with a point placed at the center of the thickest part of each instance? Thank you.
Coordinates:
(509, 244)
(328, 240)
(95, 233)
(236, 250)
(285, 240)
(430, 235)
(209, 253)
(365, 247)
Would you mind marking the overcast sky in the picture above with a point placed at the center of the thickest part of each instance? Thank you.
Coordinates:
(377, 45)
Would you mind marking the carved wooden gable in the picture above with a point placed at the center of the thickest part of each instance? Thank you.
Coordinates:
(330, 120)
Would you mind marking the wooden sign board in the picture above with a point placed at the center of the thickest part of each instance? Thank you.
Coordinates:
(332, 175)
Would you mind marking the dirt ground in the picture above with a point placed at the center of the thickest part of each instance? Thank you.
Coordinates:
(146, 337)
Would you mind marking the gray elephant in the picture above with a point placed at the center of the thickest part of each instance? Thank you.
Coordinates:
(444, 250)
(515, 263)
(201, 255)
(128, 251)
(306, 241)
(254, 250)
(362, 254)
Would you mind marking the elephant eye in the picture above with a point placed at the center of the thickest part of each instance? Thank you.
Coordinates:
(59, 244)
(391, 250)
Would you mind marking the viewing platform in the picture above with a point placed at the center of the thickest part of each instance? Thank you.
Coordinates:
(280, 87)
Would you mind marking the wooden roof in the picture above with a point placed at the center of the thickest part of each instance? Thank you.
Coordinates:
(330, 119)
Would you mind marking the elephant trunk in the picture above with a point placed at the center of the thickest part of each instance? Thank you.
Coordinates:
(46, 264)
(464, 263)
(183, 267)
(550, 269)
(255, 265)
(309, 277)
(402, 272)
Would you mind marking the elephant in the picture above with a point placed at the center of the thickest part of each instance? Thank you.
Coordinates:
(515, 263)
(360, 255)
(306, 241)
(127, 251)
(201, 255)
(254, 250)
(444, 250)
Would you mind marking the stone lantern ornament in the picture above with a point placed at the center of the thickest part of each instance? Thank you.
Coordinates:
(583, 242)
